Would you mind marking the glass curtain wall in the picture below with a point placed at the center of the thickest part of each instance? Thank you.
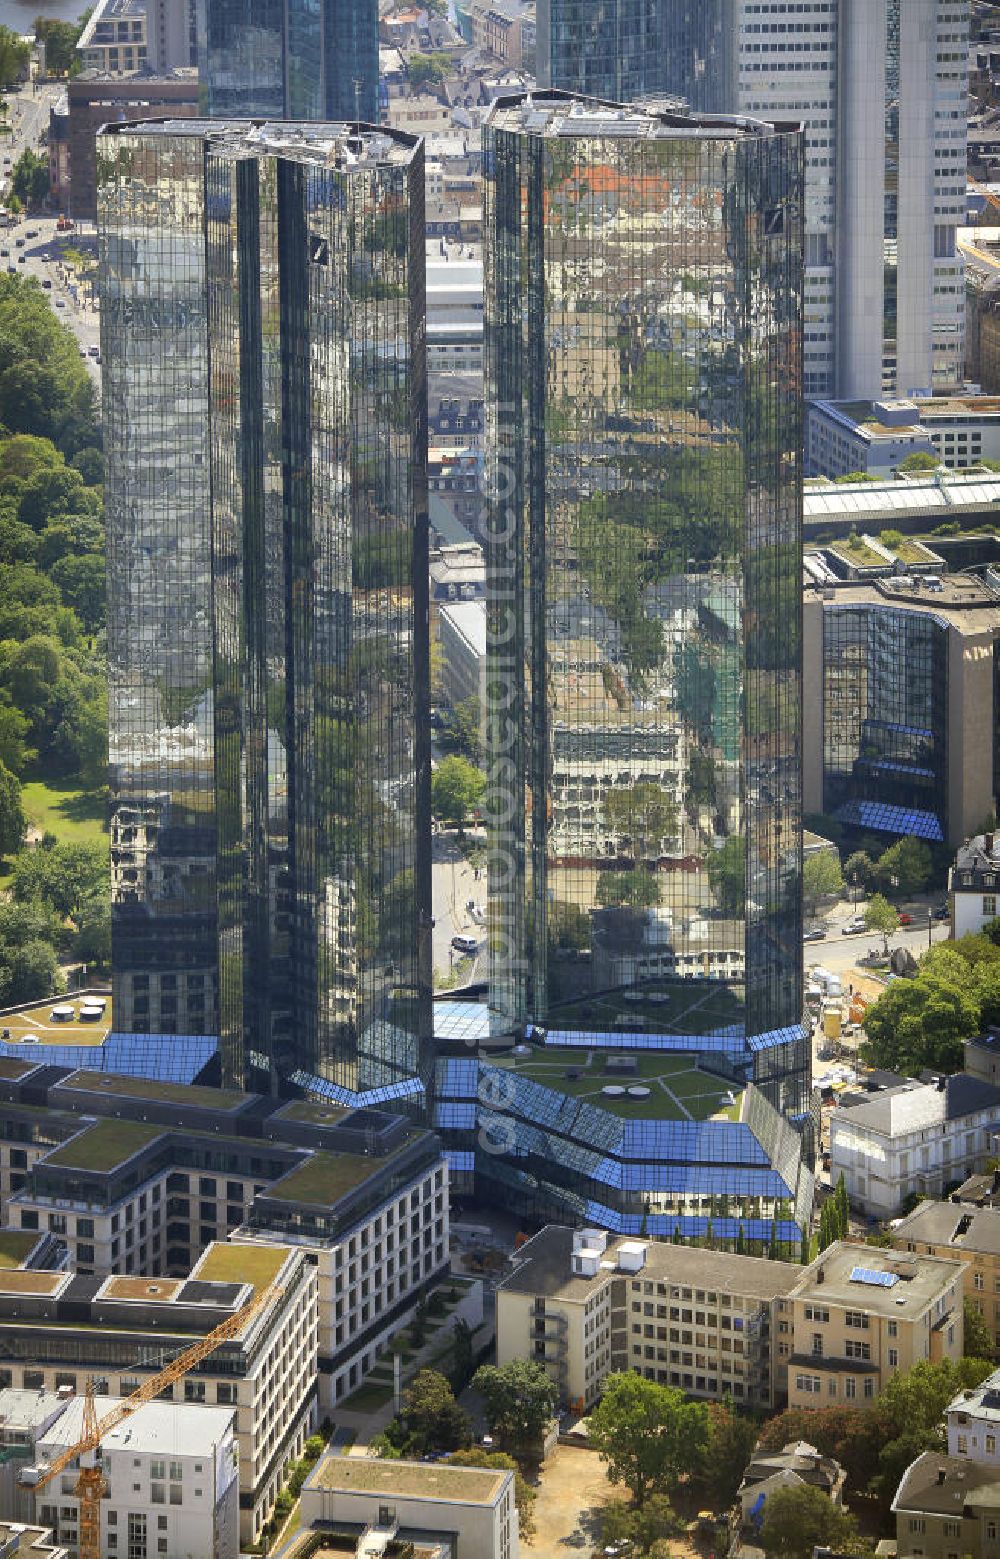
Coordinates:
(313, 586)
(643, 339)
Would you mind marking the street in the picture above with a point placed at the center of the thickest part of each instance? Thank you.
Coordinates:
(838, 951)
(39, 256)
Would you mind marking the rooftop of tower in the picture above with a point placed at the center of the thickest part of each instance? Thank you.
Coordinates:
(550, 113)
(334, 143)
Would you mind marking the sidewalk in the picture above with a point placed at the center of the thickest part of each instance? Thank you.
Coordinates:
(435, 1353)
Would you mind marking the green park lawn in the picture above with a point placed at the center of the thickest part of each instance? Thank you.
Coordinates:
(75, 816)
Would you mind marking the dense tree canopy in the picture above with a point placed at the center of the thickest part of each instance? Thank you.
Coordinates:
(922, 1022)
(650, 1435)
(53, 678)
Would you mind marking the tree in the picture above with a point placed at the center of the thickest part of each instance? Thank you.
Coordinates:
(920, 1023)
(858, 869)
(82, 581)
(467, 726)
(851, 1435)
(905, 867)
(461, 1353)
(919, 461)
(520, 1398)
(643, 814)
(881, 917)
(427, 69)
(12, 819)
(457, 788)
(821, 875)
(60, 39)
(29, 971)
(979, 1343)
(731, 1439)
(797, 1520)
(30, 177)
(14, 57)
(649, 1435)
(499, 1461)
(66, 876)
(727, 875)
(433, 1417)
(637, 889)
(639, 1526)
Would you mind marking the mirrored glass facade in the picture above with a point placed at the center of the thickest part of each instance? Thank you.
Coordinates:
(289, 59)
(610, 49)
(885, 711)
(643, 344)
(265, 405)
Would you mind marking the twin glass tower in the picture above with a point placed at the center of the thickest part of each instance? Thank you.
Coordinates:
(265, 395)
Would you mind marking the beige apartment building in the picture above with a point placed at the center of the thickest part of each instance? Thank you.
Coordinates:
(962, 1232)
(584, 1305)
(858, 1314)
(947, 1508)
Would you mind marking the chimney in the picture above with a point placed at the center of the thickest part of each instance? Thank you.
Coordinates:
(819, 1275)
(988, 843)
(942, 1474)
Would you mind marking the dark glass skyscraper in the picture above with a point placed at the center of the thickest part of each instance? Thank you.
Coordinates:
(604, 48)
(644, 379)
(289, 59)
(265, 404)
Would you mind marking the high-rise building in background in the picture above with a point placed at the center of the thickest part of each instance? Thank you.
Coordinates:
(289, 59)
(264, 413)
(643, 342)
(609, 49)
(880, 86)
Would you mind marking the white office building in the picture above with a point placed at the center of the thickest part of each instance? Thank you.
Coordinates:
(880, 86)
(973, 1421)
(915, 1139)
(172, 1476)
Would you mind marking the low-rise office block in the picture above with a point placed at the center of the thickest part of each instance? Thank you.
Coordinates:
(59, 1329)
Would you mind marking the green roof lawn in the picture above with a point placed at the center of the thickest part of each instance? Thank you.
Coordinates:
(238, 1263)
(146, 1088)
(15, 1246)
(104, 1145)
(325, 1177)
(679, 1091)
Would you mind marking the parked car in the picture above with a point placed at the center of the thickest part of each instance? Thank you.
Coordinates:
(465, 944)
(46, 283)
(942, 912)
(905, 919)
(814, 934)
(854, 925)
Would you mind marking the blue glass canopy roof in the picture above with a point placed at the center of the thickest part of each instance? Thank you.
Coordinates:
(887, 819)
(407, 1089)
(166, 1058)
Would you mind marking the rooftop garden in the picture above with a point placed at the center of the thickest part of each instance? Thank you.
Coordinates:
(235, 1262)
(103, 1146)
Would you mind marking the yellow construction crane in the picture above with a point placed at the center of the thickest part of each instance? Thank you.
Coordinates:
(90, 1486)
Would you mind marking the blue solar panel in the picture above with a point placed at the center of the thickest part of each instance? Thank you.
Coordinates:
(405, 1089)
(874, 1278)
(887, 819)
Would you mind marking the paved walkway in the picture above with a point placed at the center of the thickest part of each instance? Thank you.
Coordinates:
(367, 1423)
